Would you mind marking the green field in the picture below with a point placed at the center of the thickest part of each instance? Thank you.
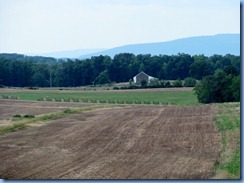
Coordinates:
(228, 123)
(175, 97)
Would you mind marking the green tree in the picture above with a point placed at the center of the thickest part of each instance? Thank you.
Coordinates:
(102, 78)
(201, 67)
(235, 87)
(167, 84)
(177, 83)
(143, 83)
(189, 82)
(219, 87)
(204, 89)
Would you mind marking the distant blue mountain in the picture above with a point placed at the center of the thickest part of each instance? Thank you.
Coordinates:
(208, 45)
(68, 53)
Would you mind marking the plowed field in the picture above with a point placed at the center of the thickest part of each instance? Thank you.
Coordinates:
(128, 143)
(8, 108)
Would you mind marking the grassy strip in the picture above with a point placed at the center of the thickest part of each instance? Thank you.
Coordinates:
(228, 123)
(22, 123)
(176, 97)
(12, 128)
(233, 166)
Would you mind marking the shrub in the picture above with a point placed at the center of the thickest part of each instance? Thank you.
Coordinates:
(143, 83)
(156, 102)
(177, 83)
(66, 99)
(5, 97)
(115, 88)
(28, 116)
(48, 99)
(167, 84)
(218, 88)
(33, 88)
(67, 111)
(57, 99)
(102, 101)
(40, 99)
(13, 97)
(189, 82)
(16, 116)
(75, 100)
(93, 101)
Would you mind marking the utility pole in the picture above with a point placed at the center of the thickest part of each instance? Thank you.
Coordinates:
(50, 79)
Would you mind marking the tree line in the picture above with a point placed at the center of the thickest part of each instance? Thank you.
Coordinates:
(23, 71)
(222, 86)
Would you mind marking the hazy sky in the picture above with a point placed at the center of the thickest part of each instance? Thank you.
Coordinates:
(36, 26)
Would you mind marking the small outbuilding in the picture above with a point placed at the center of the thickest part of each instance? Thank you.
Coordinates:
(142, 76)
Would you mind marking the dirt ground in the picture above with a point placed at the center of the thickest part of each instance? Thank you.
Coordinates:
(120, 143)
(8, 108)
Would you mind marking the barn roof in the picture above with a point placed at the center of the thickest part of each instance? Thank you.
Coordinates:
(142, 73)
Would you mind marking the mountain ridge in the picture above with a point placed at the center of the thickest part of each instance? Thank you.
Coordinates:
(208, 45)
(68, 53)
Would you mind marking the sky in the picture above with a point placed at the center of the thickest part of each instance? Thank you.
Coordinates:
(42, 26)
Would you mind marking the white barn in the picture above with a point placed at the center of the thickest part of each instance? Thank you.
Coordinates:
(142, 76)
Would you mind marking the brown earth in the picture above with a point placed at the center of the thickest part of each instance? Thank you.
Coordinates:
(128, 143)
(8, 108)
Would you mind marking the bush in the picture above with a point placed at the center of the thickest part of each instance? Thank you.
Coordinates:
(102, 101)
(57, 99)
(218, 88)
(177, 83)
(28, 116)
(167, 84)
(143, 83)
(49, 99)
(189, 82)
(33, 88)
(115, 88)
(67, 111)
(16, 116)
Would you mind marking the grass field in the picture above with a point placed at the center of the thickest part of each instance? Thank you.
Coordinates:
(176, 97)
(228, 123)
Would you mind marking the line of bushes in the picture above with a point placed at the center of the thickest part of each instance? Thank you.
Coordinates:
(9, 97)
(103, 101)
(18, 117)
(188, 82)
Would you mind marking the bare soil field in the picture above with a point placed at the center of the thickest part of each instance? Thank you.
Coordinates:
(8, 108)
(145, 142)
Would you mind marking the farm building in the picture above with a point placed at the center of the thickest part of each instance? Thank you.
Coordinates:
(142, 76)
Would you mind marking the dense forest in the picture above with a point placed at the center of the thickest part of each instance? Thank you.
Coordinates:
(23, 71)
